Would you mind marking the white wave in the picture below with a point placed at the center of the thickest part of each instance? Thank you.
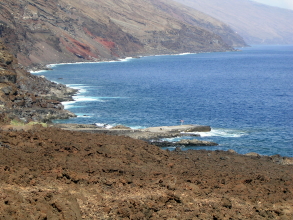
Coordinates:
(176, 54)
(81, 90)
(104, 125)
(83, 115)
(126, 59)
(227, 133)
(52, 65)
(72, 104)
(80, 98)
(68, 104)
(161, 55)
(87, 99)
(181, 54)
(115, 61)
(37, 72)
(137, 127)
(80, 87)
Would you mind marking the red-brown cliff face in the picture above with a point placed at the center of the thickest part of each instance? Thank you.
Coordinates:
(54, 31)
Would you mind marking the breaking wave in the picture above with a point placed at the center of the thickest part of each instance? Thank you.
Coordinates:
(226, 133)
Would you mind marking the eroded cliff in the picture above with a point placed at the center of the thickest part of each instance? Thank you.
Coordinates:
(28, 97)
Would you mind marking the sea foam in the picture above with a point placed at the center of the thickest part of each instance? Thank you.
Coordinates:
(104, 125)
(226, 133)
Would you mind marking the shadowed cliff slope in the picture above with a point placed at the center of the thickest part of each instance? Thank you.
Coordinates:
(54, 31)
(255, 22)
(28, 97)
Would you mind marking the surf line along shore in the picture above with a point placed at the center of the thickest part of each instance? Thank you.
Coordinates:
(152, 135)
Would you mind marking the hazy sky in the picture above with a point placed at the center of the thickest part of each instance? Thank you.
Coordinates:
(280, 3)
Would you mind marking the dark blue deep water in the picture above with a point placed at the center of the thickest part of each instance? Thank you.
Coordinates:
(246, 97)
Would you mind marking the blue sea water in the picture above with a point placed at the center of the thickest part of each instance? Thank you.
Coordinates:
(245, 96)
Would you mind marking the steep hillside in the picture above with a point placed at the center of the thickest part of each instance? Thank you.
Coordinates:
(28, 97)
(54, 31)
(255, 22)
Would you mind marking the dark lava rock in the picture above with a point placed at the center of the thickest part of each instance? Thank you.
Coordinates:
(56, 174)
(30, 97)
(184, 142)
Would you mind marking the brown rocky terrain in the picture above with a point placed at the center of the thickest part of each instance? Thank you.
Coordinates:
(55, 31)
(56, 174)
(256, 23)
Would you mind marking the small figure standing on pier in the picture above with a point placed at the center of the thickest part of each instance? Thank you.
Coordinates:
(182, 121)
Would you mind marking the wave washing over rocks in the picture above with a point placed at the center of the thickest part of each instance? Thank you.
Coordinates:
(153, 135)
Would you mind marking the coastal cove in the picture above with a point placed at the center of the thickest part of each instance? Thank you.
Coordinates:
(245, 96)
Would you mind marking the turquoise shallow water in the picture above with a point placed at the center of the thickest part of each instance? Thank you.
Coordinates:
(246, 96)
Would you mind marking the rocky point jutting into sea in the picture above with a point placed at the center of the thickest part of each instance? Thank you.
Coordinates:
(27, 97)
(50, 173)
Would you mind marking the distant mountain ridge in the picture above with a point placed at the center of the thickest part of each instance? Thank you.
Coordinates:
(256, 23)
(54, 31)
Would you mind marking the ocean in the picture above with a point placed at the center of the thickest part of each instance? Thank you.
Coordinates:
(245, 96)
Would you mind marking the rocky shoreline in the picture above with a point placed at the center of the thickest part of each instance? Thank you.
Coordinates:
(25, 97)
(152, 135)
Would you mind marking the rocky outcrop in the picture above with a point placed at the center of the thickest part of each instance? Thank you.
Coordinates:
(54, 31)
(6, 76)
(6, 59)
(153, 135)
(29, 97)
(184, 142)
